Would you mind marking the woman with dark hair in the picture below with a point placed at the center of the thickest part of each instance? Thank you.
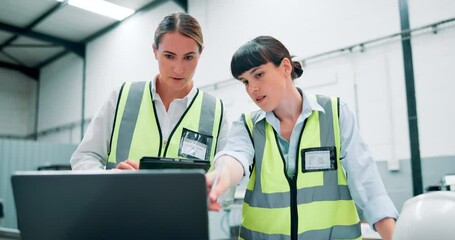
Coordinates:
(308, 167)
(160, 117)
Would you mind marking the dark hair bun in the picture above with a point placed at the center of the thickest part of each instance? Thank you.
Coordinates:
(296, 69)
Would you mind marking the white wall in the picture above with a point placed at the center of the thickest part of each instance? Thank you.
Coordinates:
(424, 12)
(434, 58)
(60, 99)
(434, 55)
(371, 82)
(305, 27)
(17, 103)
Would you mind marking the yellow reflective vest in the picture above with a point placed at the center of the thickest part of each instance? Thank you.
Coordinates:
(136, 132)
(316, 203)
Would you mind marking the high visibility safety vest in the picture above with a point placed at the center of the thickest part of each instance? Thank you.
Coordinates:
(137, 132)
(314, 204)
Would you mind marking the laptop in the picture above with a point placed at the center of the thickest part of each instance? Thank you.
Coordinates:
(147, 204)
(173, 163)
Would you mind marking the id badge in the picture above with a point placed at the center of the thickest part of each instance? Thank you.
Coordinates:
(318, 159)
(195, 145)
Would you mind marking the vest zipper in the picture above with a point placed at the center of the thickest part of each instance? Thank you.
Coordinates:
(293, 194)
(294, 212)
(293, 187)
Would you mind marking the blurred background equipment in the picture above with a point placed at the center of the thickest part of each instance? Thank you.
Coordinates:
(427, 216)
(448, 182)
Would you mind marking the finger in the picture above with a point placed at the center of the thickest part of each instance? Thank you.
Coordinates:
(209, 177)
(124, 166)
(215, 193)
(214, 206)
(213, 196)
(132, 163)
(218, 190)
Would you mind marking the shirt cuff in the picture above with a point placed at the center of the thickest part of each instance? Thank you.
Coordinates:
(379, 208)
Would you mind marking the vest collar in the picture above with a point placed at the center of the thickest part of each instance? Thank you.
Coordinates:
(310, 105)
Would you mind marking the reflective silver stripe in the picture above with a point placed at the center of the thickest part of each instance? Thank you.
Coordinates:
(326, 120)
(207, 116)
(327, 137)
(323, 193)
(304, 195)
(259, 144)
(129, 119)
(249, 234)
(110, 165)
(335, 232)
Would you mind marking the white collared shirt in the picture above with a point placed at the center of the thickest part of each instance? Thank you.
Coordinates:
(169, 119)
(92, 152)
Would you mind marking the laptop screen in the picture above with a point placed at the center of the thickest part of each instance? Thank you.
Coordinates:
(148, 204)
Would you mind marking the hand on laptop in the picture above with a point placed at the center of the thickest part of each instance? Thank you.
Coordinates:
(128, 165)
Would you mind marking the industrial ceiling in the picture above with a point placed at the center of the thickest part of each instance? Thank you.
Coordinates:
(34, 33)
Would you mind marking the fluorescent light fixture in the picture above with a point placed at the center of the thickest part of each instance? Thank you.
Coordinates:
(102, 7)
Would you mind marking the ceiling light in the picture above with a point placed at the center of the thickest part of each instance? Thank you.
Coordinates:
(102, 7)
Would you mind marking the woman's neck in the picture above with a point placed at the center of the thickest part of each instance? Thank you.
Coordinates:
(288, 112)
(168, 94)
(291, 107)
